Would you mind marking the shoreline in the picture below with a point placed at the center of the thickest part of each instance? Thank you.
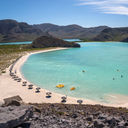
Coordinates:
(13, 88)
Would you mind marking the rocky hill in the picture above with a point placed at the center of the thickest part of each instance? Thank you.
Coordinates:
(16, 114)
(49, 41)
(11, 30)
(113, 34)
(70, 31)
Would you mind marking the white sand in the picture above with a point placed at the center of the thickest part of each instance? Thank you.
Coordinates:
(9, 87)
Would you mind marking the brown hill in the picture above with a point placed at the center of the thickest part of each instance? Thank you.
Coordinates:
(11, 30)
(49, 41)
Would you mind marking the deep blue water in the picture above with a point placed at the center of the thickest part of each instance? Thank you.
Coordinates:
(101, 61)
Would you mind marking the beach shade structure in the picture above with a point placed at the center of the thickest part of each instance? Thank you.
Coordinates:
(19, 80)
(38, 89)
(16, 78)
(11, 74)
(63, 99)
(79, 101)
(48, 94)
(30, 86)
(24, 82)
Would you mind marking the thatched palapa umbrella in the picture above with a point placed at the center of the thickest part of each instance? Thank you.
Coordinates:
(48, 94)
(30, 86)
(79, 101)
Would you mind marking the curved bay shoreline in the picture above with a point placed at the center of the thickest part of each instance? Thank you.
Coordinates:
(12, 88)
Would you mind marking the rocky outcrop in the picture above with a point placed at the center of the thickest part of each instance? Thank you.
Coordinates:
(13, 116)
(125, 40)
(49, 41)
(13, 101)
(79, 116)
(63, 115)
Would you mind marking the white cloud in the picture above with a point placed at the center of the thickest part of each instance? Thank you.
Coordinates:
(108, 6)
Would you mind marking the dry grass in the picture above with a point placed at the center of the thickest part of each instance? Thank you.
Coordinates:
(9, 53)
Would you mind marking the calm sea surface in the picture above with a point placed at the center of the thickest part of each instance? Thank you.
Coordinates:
(103, 63)
(16, 43)
(29, 42)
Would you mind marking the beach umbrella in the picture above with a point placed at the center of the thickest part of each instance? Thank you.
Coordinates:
(24, 82)
(18, 79)
(79, 101)
(14, 76)
(30, 86)
(63, 99)
(48, 94)
(11, 74)
(38, 89)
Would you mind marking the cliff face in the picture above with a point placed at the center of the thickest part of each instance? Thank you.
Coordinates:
(49, 41)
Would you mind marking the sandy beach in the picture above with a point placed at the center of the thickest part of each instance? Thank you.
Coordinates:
(9, 88)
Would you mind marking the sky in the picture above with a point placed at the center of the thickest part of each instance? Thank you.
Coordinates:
(87, 13)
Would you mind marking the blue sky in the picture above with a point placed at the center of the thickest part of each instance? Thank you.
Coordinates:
(87, 13)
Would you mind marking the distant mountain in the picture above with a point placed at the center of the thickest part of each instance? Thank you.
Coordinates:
(113, 34)
(11, 30)
(49, 41)
(70, 31)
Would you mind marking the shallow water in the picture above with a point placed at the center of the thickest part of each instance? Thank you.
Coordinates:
(72, 40)
(100, 62)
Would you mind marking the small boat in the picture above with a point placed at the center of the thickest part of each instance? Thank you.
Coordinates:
(73, 88)
(60, 86)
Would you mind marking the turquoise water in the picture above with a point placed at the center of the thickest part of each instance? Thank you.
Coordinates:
(100, 62)
(16, 43)
(72, 40)
(29, 42)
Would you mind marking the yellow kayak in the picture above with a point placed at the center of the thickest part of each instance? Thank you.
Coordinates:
(60, 86)
(73, 88)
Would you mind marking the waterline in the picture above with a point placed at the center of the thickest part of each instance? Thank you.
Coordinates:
(100, 62)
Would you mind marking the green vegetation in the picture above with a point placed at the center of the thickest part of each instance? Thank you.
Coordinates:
(9, 53)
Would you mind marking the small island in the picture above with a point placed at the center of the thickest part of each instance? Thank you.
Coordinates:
(50, 41)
